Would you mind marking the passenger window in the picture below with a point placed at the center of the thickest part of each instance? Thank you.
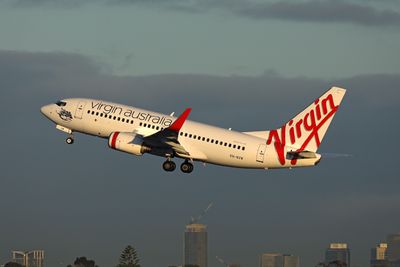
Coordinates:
(190, 135)
(225, 144)
(242, 148)
(194, 136)
(157, 128)
(234, 146)
(180, 133)
(115, 118)
(186, 134)
(238, 147)
(88, 112)
(131, 121)
(101, 114)
(229, 145)
(199, 138)
(208, 139)
(212, 141)
(97, 114)
(153, 127)
(119, 119)
(203, 138)
(123, 120)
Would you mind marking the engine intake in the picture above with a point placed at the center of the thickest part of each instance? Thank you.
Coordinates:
(128, 142)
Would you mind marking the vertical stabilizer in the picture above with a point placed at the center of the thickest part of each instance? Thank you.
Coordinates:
(307, 129)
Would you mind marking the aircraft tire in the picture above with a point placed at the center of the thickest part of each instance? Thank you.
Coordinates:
(169, 166)
(186, 167)
(69, 140)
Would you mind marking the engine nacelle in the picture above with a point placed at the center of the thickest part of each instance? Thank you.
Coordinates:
(127, 142)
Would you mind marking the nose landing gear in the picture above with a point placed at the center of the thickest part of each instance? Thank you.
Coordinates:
(70, 140)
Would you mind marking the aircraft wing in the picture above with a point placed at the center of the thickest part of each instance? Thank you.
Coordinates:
(168, 138)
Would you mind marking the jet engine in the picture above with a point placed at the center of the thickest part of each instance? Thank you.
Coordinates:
(128, 142)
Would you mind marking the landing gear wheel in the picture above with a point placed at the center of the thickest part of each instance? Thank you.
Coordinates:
(186, 167)
(169, 166)
(69, 140)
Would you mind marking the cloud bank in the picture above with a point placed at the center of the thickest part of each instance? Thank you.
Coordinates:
(317, 11)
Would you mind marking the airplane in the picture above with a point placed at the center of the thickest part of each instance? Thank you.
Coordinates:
(138, 131)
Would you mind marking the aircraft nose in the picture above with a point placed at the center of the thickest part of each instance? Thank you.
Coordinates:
(45, 110)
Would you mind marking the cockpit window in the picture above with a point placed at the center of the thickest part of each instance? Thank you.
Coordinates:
(61, 103)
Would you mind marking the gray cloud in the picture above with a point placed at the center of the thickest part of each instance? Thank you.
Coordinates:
(88, 182)
(56, 3)
(323, 11)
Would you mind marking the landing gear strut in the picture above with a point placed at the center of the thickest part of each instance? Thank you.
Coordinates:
(169, 165)
(70, 140)
(186, 167)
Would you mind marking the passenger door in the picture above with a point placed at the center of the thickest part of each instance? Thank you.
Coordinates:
(261, 153)
(79, 110)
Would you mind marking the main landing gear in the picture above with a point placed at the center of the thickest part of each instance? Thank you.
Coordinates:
(169, 166)
(186, 167)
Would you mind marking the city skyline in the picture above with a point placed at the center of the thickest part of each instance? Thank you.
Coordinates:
(195, 252)
(249, 65)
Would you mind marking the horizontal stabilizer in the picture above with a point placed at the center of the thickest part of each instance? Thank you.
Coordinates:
(301, 155)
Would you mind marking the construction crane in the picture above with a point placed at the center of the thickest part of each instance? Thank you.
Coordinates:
(222, 261)
(196, 220)
(227, 264)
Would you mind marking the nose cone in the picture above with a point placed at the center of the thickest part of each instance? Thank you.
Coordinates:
(46, 110)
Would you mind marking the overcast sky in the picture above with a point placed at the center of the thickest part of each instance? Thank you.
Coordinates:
(249, 65)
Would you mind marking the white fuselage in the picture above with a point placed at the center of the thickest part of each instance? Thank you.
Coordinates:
(204, 142)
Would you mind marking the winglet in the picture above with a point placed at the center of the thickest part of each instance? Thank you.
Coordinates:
(177, 125)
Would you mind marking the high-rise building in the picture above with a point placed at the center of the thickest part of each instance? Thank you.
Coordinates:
(195, 245)
(34, 258)
(378, 256)
(279, 260)
(291, 261)
(393, 248)
(337, 252)
(271, 260)
(379, 252)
